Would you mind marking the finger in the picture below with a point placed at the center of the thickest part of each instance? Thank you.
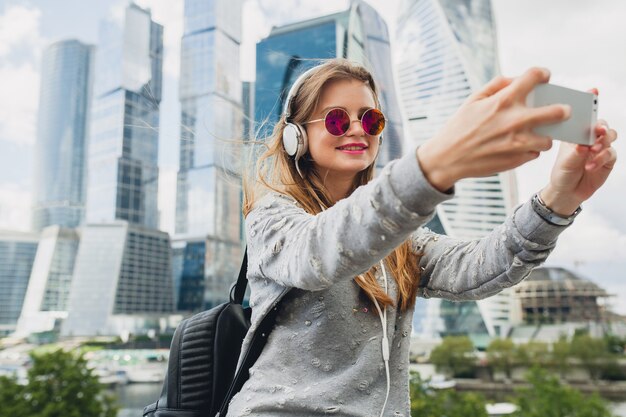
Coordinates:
(522, 85)
(492, 87)
(602, 124)
(604, 138)
(594, 91)
(553, 113)
(538, 143)
(528, 141)
(605, 159)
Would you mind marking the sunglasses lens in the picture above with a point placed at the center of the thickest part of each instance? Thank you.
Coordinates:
(373, 122)
(337, 122)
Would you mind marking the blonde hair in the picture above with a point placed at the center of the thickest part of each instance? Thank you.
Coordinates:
(275, 170)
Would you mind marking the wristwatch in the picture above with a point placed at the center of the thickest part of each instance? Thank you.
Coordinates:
(548, 215)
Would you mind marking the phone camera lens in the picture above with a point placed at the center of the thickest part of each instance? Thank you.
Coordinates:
(595, 101)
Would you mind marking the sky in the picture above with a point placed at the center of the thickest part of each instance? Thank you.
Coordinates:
(582, 43)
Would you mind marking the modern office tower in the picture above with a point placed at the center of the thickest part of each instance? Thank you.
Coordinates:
(117, 288)
(445, 50)
(359, 34)
(247, 101)
(60, 151)
(208, 200)
(123, 140)
(122, 278)
(45, 304)
(188, 268)
(17, 254)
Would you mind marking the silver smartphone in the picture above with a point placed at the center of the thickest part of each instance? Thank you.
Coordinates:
(579, 128)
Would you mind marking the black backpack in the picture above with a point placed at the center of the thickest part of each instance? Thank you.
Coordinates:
(200, 379)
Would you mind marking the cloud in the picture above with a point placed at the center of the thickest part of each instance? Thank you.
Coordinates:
(19, 28)
(20, 52)
(590, 238)
(15, 207)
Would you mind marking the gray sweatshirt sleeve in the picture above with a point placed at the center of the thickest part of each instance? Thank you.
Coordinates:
(474, 269)
(312, 252)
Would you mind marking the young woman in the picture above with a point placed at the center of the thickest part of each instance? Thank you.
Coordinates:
(346, 251)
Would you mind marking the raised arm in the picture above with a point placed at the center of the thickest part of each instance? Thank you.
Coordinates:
(474, 269)
(294, 248)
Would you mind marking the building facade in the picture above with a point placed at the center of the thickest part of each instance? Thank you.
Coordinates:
(445, 50)
(209, 195)
(122, 281)
(556, 295)
(123, 141)
(46, 300)
(17, 255)
(62, 129)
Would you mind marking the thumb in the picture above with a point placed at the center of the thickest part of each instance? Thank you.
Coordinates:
(573, 156)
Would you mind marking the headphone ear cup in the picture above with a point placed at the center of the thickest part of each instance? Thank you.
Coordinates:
(295, 140)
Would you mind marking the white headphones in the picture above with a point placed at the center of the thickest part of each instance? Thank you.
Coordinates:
(295, 140)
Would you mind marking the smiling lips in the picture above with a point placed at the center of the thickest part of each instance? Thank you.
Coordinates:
(353, 147)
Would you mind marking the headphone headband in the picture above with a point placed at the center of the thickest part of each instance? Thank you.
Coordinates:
(294, 88)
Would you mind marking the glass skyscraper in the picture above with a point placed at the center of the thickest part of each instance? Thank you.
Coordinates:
(46, 300)
(188, 257)
(122, 280)
(123, 142)
(359, 34)
(60, 152)
(17, 254)
(208, 195)
(445, 50)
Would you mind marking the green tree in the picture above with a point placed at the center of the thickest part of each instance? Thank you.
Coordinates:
(501, 354)
(592, 353)
(11, 398)
(560, 355)
(546, 397)
(533, 353)
(615, 344)
(59, 385)
(426, 402)
(454, 356)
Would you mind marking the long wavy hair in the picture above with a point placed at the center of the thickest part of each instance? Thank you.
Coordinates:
(275, 170)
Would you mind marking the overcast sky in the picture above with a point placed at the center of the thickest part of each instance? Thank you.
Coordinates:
(583, 43)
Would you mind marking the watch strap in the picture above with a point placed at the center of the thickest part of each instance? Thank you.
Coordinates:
(550, 216)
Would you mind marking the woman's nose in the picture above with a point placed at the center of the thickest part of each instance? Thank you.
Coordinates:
(355, 129)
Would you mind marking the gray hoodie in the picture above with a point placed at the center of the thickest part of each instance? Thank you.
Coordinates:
(324, 354)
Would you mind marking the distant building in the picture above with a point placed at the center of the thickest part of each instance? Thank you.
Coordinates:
(60, 151)
(556, 295)
(46, 301)
(247, 99)
(208, 190)
(188, 258)
(117, 288)
(444, 50)
(124, 138)
(122, 278)
(17, 255)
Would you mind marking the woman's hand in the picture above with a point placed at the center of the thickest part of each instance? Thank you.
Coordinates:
(490, 132)
(580, 170)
